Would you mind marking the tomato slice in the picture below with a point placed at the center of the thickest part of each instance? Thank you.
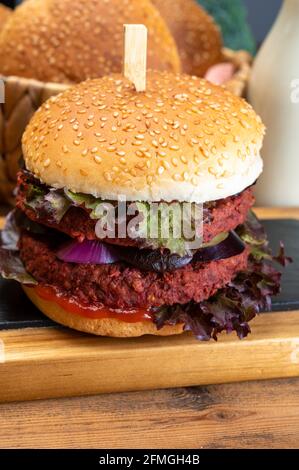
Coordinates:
(72, 306)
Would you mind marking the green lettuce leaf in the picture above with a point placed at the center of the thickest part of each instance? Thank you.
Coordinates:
(80, 199)
(169, 216)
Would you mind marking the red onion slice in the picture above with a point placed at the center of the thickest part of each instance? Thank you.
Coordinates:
(96, 252)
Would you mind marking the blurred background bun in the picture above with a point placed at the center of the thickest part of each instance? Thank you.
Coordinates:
(4, 15)
(68, 41)
(197, 36)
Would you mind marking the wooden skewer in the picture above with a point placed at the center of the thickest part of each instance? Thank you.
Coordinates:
(135, 54)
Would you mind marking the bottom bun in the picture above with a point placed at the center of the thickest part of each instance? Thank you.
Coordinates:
(98, 326)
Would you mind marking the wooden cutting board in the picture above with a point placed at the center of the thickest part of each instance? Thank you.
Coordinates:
(45, 361)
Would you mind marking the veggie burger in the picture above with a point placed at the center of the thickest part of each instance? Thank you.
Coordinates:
(101, 148)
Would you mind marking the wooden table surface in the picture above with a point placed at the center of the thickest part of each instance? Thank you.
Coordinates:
(243, 415)
(262, 414)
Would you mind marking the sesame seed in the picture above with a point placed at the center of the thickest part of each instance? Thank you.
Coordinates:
(107, 176)
(245, 124)
(97, 158)
(47, 162)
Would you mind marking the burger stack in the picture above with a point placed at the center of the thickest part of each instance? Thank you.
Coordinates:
(182, 141)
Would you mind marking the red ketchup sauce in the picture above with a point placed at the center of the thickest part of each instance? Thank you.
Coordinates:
(72, 306)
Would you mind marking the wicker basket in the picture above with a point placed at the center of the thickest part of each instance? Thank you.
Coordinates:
(23, 97)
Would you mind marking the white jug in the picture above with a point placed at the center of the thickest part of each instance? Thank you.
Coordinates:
(274, 93)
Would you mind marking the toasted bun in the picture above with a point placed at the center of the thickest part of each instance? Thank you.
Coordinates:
(184, 140)
(71, 41)
(196, 34)
(102, 327)
(4, 15)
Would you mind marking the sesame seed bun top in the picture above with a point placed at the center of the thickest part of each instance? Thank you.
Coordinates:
(196, 34)
(69, 41)
(183, 139)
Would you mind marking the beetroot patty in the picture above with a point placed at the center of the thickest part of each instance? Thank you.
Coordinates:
(122, 286)
(219, 216)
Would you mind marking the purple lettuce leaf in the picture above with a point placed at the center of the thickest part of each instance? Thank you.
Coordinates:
(11, 266)
(248, 294)
(52, 203)
(9, 236)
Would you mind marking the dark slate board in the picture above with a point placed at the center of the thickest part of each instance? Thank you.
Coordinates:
(16, 311)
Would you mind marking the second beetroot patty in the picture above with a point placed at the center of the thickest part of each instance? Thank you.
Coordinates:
(121, 286)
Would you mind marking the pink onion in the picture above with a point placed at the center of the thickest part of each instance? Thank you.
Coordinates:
(220, 73)
(87, 252)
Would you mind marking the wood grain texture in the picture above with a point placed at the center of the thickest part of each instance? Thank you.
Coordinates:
(250, 415)
(277, 212)
(135, 55)
(58, 363)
